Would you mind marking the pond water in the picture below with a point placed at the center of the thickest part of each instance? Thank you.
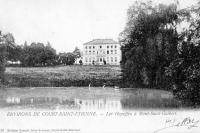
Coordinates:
(83, 98)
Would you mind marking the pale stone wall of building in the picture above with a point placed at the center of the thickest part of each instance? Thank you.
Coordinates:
(101, 53)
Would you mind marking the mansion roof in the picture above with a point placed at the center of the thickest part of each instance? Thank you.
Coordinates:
(101, 41)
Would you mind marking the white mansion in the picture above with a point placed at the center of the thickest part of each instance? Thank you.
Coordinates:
(101, 52)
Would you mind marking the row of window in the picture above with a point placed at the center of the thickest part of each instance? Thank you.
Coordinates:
(112, 52)
(112, 59)
(90, 47)
(100, 52)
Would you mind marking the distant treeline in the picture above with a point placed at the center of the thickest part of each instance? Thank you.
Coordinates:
(39, 54)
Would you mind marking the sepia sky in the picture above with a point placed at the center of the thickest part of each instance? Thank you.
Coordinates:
(65, 23)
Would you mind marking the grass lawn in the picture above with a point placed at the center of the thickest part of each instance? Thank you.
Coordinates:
(74, 75)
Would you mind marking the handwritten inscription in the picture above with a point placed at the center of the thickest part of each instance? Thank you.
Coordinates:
(187, 122)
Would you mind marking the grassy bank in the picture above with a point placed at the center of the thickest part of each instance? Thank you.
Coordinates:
(63, 76)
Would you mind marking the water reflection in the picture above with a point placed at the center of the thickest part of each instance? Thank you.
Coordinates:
(149, 100)
(42, 101)
(65, 103)
(99, 103)
(97, 100)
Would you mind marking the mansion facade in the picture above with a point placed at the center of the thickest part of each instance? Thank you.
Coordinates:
(101, 52)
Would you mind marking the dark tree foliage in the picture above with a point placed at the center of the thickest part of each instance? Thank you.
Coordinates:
(37, 54)
(41, 55)
(14, 54)
(77, 53)
(7, 43)
(184, 72)
(2, 60)
(155, 54)
(149, 44)
(66, 58)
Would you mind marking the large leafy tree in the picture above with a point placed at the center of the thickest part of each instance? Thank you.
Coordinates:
(7, 43)
(77, 52)
(184, 71)
(66, 58)
(37, 54)
(14, 54)
(2, 58)
(149, 43)
(49, 56)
